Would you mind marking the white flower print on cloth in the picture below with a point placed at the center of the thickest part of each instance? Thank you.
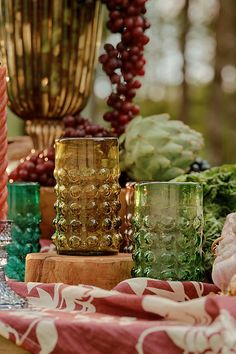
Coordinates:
(218, 337)
(142, 319)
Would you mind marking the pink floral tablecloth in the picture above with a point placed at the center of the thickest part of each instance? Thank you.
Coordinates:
(138, 316)
(46, 246)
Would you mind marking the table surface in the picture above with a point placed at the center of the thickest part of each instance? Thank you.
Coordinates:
(8, 347)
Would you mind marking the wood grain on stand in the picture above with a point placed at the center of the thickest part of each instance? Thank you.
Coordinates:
(101, 271)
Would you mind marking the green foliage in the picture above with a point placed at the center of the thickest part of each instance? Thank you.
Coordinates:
(219, 195)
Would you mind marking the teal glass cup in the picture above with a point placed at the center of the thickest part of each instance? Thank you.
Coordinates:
(168, 227)
(24, 210)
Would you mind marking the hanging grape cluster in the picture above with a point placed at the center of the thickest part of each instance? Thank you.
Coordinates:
(124, 62)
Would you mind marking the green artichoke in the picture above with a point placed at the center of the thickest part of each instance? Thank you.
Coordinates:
(157, 148)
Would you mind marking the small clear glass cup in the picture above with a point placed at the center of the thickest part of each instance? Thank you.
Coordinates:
(168, 226)
(8, 298)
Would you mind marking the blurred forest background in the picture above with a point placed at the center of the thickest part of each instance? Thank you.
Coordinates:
(190, 72)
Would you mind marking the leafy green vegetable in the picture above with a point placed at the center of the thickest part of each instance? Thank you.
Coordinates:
(219, 197)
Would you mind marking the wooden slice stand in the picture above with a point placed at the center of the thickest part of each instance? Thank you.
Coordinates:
(101, 271)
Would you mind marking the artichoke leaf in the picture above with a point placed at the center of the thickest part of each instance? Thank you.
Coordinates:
(143, 148)
(138, 174)
(172, 173)
(122, 139)
(162, 118)
(184, 160)
(171, 149)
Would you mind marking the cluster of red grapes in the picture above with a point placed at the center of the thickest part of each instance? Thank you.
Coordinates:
(37, 167)
(125, 61)
(76, 127)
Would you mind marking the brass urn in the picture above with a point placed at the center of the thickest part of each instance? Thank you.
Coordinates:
(51, 48)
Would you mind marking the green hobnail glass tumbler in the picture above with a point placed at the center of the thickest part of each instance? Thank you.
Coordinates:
(24, 210)
(168, 226)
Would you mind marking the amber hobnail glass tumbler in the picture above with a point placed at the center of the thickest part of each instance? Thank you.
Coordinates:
(87, 206)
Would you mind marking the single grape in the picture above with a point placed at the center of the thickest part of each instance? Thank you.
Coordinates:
(40, 169)
(23, 174)
(69, 121)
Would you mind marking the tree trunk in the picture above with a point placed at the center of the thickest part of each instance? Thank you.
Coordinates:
(185, 102)
(222, 105)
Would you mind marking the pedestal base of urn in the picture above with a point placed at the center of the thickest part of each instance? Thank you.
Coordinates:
(43, 132)
(104, 272)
